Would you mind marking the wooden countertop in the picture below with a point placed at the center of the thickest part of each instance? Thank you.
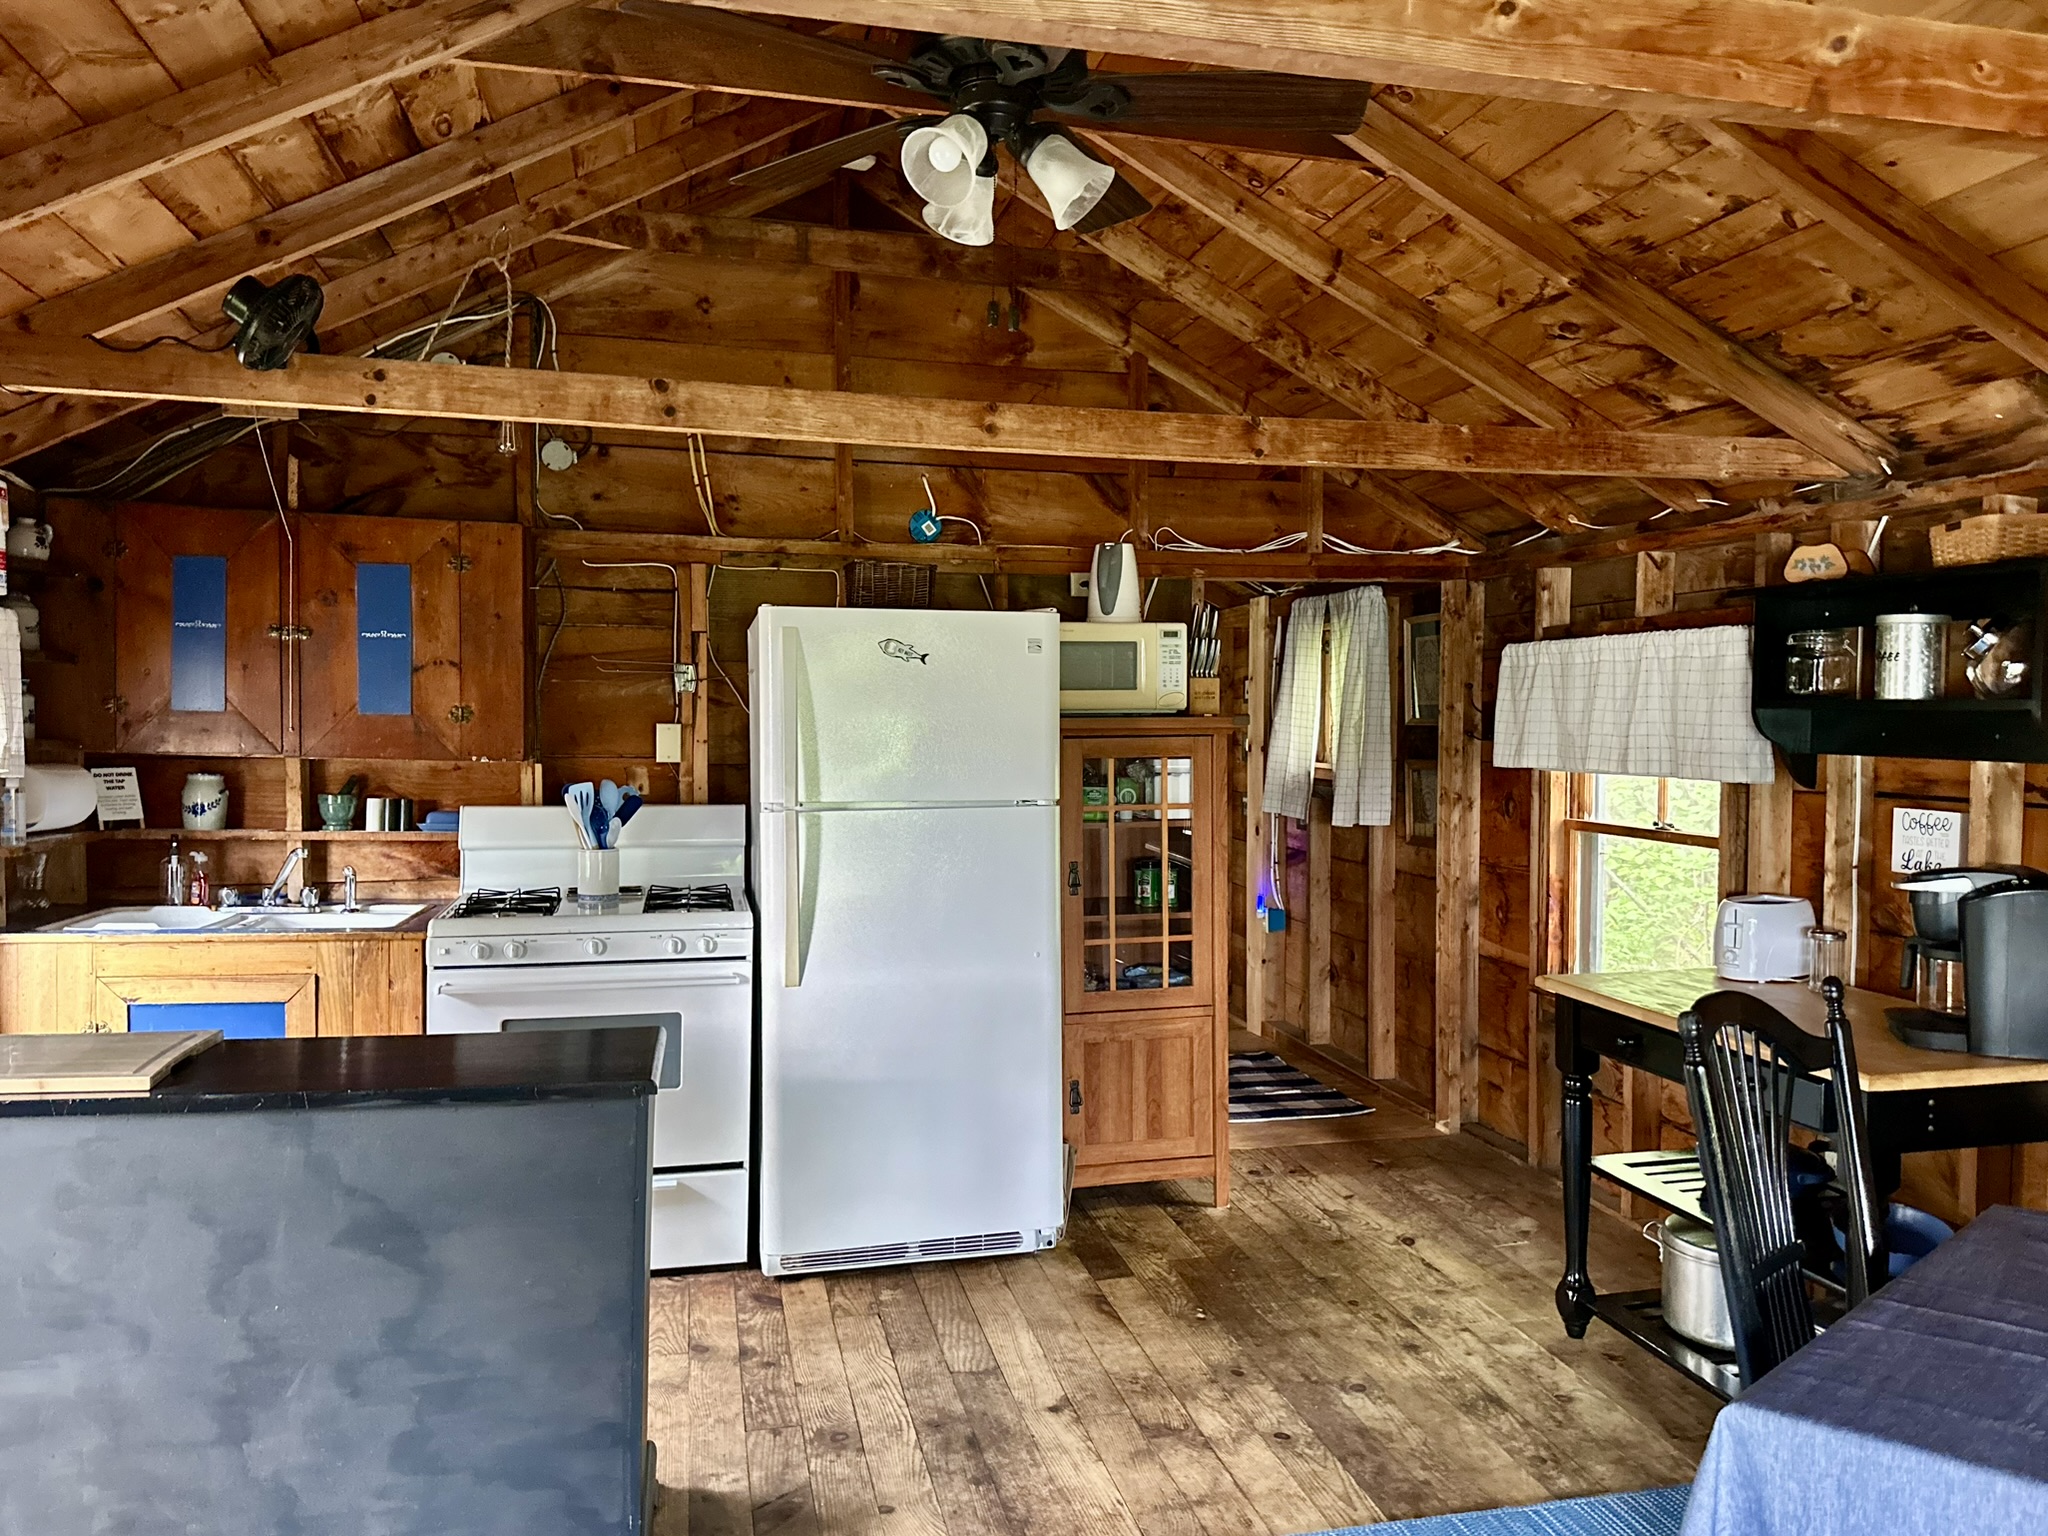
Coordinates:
(1885, 1063)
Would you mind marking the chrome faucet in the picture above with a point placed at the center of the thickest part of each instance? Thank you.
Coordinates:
(348, 889)
(274, 896)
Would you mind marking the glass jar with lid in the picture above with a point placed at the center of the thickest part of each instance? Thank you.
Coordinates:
(1821, 662)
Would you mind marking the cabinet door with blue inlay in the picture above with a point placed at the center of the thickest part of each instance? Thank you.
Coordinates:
(197, 660)
(381, 674)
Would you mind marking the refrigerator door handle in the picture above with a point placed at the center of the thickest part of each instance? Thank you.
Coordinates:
(796, 912)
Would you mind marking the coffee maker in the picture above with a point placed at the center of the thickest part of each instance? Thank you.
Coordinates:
(1978, 962)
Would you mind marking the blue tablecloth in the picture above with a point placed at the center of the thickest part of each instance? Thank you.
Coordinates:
(1924, 1410)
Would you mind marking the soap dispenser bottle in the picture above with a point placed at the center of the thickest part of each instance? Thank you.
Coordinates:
(175, 877)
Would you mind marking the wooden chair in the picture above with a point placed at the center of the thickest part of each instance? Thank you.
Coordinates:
(1744, 1062)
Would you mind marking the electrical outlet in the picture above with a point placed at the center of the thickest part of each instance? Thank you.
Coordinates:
(1077, 583)
(668, 743)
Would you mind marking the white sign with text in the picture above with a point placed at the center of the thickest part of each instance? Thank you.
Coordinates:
(1924, 839)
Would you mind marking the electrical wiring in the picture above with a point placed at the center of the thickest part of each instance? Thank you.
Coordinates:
(132, 478)
(711, 651)
(1166, 538)
(158, 341)
(700, 481)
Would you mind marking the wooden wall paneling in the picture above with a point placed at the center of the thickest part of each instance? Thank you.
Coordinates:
(492, 650)
(1319, 1016)
(1850, 852)
(1382, 1049)
(1138, 478)
(1457, 854)
(1656, 592)
(699, 781)
(1549, 952)
(1988, 1176)
(330, 549)
(75, 680)
(147, 540)
(1258, 685)
(1769, 837)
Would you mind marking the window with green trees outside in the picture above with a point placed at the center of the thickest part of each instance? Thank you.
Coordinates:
(1648, 862)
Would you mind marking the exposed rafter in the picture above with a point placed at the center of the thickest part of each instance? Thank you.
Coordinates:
(1755, 60)
(1722, 361)
(51, 176)
(1366, 292)
(1811, 173)
(199, 272)
(709, 50)
(667, 406)
(360, 294)
(868, 252)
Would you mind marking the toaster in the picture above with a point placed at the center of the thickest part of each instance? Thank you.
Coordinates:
(1762, 938)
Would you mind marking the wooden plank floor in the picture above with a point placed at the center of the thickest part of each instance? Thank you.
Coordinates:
(1366, 1333)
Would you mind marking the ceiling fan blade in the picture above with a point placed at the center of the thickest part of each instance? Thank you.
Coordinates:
(1223, 100)
(1122, 201)
(800, 170)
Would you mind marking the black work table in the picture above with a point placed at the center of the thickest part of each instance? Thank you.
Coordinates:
(1917, 1101)
(394, 1284)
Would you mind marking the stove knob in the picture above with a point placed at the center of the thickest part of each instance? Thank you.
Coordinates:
(709, 943)
(515, 950)
(678, 946)
(479, 951)
(593, 946)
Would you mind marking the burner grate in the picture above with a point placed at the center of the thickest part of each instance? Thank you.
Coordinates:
(688, 898)
(540, 902)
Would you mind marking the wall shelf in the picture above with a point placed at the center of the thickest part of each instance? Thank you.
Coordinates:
(1958, 727)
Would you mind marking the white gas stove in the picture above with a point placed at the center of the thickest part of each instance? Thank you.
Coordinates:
(522, 949)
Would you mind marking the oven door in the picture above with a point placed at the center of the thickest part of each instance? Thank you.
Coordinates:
(703, 1009)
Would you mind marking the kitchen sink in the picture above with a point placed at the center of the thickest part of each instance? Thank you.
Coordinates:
(241, 920)
(374, 916)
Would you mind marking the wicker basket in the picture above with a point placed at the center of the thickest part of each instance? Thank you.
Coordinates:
(894, 584)
(2008, 529)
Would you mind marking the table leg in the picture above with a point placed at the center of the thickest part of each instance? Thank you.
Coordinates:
(1575, 1290)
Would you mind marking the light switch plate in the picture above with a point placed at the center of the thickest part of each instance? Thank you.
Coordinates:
(668, 743)
(1077, 583)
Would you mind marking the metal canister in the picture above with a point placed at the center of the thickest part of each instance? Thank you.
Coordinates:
(1910, 655)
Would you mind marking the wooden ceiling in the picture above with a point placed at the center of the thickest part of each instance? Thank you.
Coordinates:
(1572, 227)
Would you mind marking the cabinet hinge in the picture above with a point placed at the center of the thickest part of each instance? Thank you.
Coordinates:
(289, 632)
(459, 563)
(116, 548)
(114, 704)
(462, 714)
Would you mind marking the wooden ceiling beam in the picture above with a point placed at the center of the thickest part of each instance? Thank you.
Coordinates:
(48, 177)
(1749, 59)
(1478, 201)
(709, 50)
(1200, 380)
(197, 272)
(867, 252)
(1379, 299)
(569, 545)
(665, 406)
(353, 298)
(1813, 174)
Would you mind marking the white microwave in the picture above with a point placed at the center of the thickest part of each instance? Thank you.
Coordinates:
(1123, 669)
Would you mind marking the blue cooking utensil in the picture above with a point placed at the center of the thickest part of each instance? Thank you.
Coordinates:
(629, 806)
(581, 799)
(608, 801)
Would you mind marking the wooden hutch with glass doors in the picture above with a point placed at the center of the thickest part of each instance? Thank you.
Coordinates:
(1145, 943)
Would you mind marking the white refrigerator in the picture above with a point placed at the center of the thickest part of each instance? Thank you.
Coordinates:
(905, 864)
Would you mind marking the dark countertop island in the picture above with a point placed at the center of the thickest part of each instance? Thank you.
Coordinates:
(333, 1285)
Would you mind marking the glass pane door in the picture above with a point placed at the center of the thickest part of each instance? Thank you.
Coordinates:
(1137, 875)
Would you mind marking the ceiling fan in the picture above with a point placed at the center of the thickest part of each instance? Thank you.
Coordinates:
(996, 92)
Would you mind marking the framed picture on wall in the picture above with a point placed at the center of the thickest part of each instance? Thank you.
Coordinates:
(1419, 659)
(1421, 802)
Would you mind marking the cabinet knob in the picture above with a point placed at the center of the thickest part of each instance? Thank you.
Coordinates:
(1073, 877)
(1074, 1096)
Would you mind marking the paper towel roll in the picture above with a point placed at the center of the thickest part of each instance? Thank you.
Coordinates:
(57, 796)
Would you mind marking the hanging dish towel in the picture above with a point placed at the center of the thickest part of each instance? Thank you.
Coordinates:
(1672, 703)
(1297, 713)
(1361, 682)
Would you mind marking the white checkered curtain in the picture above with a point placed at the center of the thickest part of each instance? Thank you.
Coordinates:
(13, 755)
(1297, 715)
(1363, 732)
(1668, 704)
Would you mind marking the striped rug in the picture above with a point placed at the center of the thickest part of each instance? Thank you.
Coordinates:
(1653, 1512)
(1263, 1087)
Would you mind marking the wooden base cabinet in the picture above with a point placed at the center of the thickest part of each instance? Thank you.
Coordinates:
(1144, 851)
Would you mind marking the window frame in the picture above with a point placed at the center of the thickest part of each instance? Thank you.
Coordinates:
(1578, 823)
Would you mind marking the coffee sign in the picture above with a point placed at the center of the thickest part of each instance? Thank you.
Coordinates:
(1924, 839)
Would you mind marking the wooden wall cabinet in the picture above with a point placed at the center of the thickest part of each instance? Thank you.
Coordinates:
(1145, 946)
(356, 637)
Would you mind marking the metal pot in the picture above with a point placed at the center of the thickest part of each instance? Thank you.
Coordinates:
(1695, 1306)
